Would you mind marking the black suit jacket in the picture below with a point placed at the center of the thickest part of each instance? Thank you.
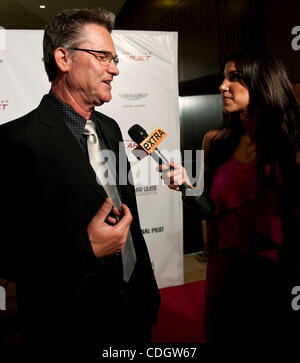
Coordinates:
(49, 195)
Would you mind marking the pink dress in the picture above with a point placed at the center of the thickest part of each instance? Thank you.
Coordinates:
(244, 239)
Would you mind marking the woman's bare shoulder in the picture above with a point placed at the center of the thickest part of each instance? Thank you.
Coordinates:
(207, 139)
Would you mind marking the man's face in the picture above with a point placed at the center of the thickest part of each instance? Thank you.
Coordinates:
(89, 81)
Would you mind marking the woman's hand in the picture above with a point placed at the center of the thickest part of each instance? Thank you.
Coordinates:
(176, 177)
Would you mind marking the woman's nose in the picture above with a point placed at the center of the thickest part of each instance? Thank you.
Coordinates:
(224, 86)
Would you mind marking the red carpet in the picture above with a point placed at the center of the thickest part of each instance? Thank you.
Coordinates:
(181, 316)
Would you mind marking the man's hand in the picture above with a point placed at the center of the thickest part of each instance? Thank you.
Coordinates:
(176, 177)
(109, 239)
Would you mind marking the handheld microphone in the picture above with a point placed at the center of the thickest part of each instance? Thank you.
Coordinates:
(138, 135)
(202, 204)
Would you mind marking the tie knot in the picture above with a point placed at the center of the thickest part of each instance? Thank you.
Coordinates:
(89, 128)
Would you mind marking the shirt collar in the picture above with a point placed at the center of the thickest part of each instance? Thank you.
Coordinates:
(68, 113)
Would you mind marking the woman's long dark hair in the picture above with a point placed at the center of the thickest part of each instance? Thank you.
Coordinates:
(274, 114)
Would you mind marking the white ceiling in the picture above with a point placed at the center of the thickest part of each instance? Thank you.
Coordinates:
(27, 14)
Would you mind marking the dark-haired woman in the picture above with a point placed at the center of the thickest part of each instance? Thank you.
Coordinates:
(252, 173)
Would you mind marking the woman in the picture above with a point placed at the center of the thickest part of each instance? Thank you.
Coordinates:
(252, 175)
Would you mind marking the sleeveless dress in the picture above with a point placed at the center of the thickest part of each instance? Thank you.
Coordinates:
(243, 282)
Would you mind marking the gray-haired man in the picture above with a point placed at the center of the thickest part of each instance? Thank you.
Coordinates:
(63, 241)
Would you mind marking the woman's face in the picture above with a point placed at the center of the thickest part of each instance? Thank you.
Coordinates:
(235, 93)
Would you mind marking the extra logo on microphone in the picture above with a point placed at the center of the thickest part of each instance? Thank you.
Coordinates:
(153, 140)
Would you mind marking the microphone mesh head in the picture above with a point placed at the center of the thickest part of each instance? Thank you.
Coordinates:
(137, 133)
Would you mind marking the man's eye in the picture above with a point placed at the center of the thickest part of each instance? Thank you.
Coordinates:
(102, 57)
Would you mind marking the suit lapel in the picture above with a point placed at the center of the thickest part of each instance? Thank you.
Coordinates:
(61, 138)
(107, 135)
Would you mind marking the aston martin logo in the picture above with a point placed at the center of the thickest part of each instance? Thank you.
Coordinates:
(133, 96)
(138, 57)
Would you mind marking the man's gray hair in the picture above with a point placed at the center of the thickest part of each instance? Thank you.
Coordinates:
(65, 30)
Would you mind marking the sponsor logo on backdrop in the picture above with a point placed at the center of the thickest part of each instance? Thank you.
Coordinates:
(151, 230)
(134, 149)
(134, 106)
(146, 190)
(133, 96)
(129, 144)
(1, 60)
(3, 104)
(296, 41)
(138, 57)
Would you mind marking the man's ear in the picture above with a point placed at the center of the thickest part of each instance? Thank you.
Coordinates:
(63, 59)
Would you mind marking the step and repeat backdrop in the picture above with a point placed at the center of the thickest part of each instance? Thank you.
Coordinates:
(145, 93)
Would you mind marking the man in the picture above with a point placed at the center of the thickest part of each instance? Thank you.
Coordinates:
(62, 240)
